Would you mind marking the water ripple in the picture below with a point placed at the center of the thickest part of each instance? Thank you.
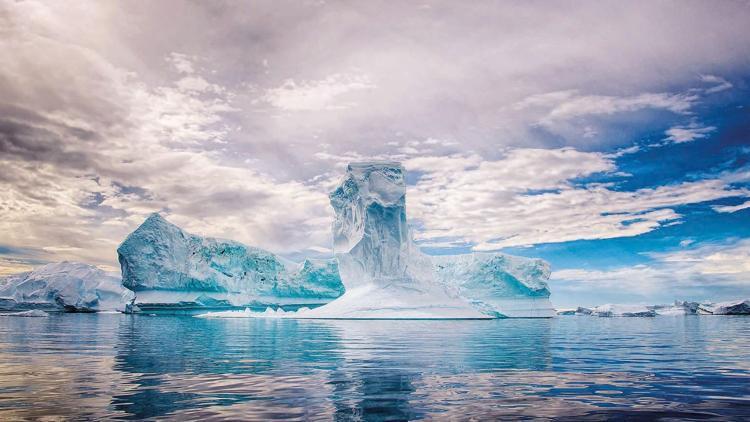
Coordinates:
(121, 367)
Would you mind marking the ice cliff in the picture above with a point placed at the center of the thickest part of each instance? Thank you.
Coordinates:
(169, 268)
(64, 286)
(387, 276)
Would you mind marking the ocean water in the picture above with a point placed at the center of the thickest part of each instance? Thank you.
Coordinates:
(93, 367)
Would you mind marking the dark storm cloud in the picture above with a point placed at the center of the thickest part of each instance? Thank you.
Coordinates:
(20, 140)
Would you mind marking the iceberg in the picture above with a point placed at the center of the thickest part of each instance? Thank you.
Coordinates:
(612, 310)
(679, 308)
(168, 268)
(386, 276)
(735, 307)
(498, 284)
(383, 272)
(64, 286)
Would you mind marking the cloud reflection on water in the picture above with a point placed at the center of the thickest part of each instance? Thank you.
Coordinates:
(137, 367)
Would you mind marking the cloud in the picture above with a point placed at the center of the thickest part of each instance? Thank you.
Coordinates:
(325, 94)
(731, 208)
(81, 174)
(197, 84)
(584, 119)
(569, 104)
(687, 242)
(183, 63)
(227, 117)
(708, 271)
(720, 84)
(529, 197)
(689, 133)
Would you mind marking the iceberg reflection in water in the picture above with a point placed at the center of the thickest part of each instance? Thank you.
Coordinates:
(137, 367)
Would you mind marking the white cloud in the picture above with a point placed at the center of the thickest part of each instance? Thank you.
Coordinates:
(687, 242)
(103, 130)
(689, 133)
(527, 197)
(720, 84)
(78, 178)
(563, 105)
(712, 271)
(325, 94)
(731, 208)
(183, 63)
(197, 84)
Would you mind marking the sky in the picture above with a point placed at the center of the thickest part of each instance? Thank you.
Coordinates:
(610, 138)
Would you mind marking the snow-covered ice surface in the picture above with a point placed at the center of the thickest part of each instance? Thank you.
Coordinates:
(170, 268)
(64, 286)
(387, 276)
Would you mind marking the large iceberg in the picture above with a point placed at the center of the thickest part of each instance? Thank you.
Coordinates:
(387, 276)
(167, 267)
(64, 286)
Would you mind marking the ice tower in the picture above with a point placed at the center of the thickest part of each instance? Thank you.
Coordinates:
(384, 273)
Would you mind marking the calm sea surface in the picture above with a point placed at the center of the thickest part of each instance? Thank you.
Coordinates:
(78, 366)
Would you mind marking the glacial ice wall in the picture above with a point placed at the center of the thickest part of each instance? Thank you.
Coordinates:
(167, 266)
(64, 286)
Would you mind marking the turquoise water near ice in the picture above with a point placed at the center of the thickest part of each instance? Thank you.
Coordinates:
(93, 367)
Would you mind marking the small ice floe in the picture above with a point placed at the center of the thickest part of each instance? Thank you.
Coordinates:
(34, 313)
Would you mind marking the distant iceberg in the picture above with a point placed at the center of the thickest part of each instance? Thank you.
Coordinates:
(386, 275)
(678, 308)
(614, 310)
(168, 268)
(64, 286)
(736, 307)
